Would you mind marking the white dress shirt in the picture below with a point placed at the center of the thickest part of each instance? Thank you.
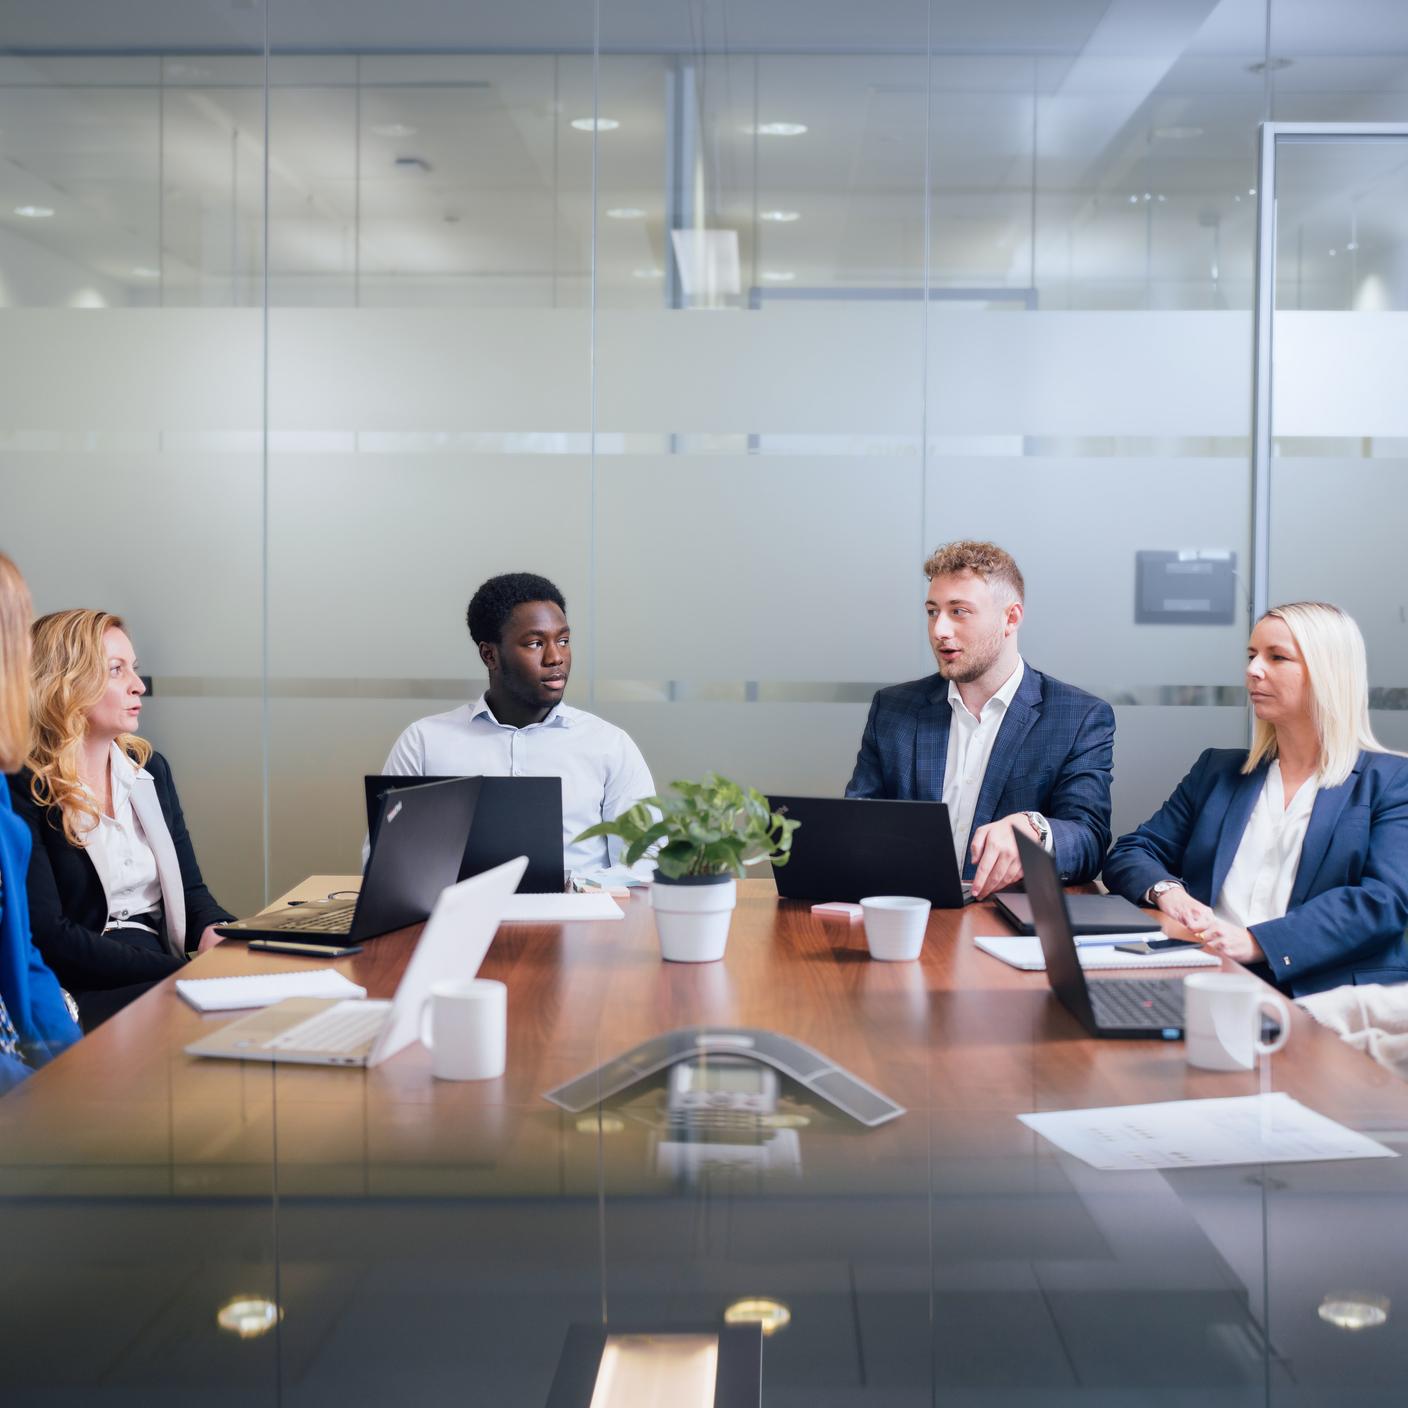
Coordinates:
(602, 770)
(970, 743)
(118, 846)
(1258, 886)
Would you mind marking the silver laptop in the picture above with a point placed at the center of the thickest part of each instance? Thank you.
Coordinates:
(321, 1031)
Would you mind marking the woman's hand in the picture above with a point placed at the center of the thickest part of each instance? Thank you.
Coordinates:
(1183, 909)
(1229, 941)
(208, 939)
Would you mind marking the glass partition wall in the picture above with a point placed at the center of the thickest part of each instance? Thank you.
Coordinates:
(720, 315)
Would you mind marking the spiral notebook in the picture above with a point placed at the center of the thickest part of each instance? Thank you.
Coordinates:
(1021, 951)
(265, 989)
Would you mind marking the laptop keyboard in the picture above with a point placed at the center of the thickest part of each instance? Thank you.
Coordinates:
(344, 1027)
(325, 921)
(1137, 1002)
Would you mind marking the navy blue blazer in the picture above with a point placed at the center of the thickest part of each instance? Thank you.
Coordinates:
(1349, 903)
(30, 991)
(1053, 754)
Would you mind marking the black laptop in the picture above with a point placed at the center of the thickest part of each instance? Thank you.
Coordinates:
(515, 816)
(1090, 914)
(849, 847)
(416, 851)
(1138, 1007)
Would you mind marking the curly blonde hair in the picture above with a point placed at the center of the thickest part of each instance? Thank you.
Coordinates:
(993, 564)
(14, 667)
(69, 677)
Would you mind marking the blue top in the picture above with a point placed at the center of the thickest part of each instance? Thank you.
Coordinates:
(28, 989)
(1349, 902)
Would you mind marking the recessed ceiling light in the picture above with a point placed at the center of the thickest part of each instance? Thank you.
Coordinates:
(248, 1316)
(394, 129)
(34, 212)
(779, 276)
(647, 273)
(595, 124)
(1177, 133)
(779, 129)
(1354, 1310)
(143, 271)
(780, 217)
(772, 1315)
(625, 212)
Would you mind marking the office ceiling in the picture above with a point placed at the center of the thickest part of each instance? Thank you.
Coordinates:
(1101, 148)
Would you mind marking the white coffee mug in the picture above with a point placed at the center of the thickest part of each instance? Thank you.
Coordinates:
(468, 1036)
(894, 926)
(1222, 1020)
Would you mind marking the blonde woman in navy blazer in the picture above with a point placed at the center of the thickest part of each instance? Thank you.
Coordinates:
(1291, 857)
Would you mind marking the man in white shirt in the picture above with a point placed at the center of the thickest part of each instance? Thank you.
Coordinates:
(519, 726)
(1005, 747)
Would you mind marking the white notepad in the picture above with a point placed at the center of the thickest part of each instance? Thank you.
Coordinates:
(1024, 952)
(265, 989)
(1238, 1129)
(559, 909)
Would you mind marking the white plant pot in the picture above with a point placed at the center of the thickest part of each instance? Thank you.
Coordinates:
(692, 919)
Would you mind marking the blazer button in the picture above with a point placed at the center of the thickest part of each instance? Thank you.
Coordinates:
(1285, 960)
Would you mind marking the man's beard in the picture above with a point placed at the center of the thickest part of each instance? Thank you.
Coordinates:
(977, 659)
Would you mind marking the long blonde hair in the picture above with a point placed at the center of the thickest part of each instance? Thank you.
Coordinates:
(14, 667)
(1335, 662)
(70, 675)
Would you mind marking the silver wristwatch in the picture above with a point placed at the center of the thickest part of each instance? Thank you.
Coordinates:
(1041, 826)
(1152, 894)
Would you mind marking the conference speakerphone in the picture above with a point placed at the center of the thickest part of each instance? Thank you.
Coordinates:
(727, 1046)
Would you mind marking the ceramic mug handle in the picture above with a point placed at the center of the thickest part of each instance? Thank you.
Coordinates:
(1275, 1006)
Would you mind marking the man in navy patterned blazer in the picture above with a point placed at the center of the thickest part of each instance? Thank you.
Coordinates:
(1007, 748)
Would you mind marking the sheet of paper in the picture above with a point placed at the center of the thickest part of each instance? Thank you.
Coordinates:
(1241, 1129)
(560, 909)
(265, 989)
(1023, 951)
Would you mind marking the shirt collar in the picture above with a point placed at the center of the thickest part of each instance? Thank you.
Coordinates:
(1003, 697)
(125, 776)
(561, 715)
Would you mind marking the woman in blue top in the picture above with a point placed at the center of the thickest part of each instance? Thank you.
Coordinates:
(35, 1024)
(1291, 856)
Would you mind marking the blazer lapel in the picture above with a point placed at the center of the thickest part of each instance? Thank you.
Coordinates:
(147, 806)
(1319, 831)
(1022, 714)
(931, 745)
(1244, 789)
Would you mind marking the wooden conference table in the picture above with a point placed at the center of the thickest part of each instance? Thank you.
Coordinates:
(433, 1241)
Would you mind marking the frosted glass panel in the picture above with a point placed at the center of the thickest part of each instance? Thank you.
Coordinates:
(1339, 495)
(373, 557)
(1074, 527)
(1340, 374)
(1338, 528)
(759, 568)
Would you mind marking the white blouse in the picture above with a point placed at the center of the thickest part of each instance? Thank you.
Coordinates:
(1258, 886)
(118, 847)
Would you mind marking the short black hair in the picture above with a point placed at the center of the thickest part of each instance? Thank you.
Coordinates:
(494, 602)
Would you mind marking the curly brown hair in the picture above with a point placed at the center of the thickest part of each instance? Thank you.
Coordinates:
(985, 560)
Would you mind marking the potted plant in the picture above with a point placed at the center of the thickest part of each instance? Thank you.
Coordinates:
(706, 832)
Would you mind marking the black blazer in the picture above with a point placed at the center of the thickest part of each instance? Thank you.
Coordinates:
(68, 906)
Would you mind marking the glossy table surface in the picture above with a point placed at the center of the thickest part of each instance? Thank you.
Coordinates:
(432, 1242)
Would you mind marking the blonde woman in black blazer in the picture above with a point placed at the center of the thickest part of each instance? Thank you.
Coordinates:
(116, 896)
